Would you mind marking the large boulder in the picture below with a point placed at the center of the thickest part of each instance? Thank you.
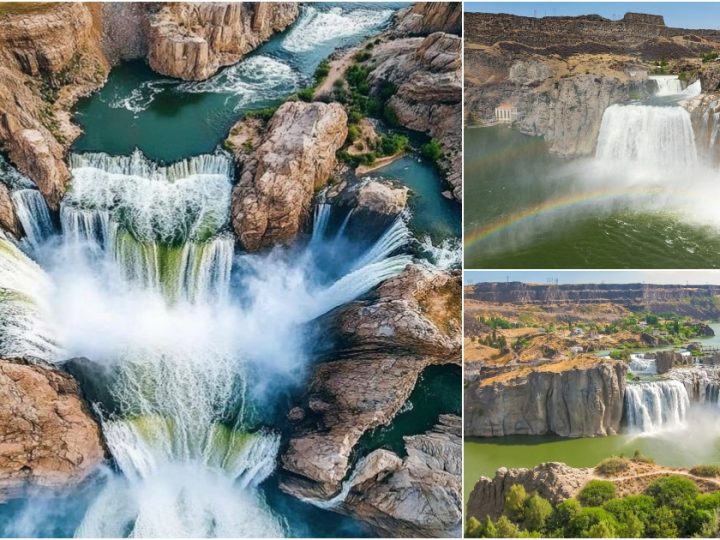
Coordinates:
(273, 197)
(418, 496)
(49, 437)
(192, 41)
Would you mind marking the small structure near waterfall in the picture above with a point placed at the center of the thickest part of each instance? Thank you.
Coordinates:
(505, 113)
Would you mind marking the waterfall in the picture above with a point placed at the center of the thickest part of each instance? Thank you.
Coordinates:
(650, 406)
(393, 239)
(658, 137)
(640, 364)
(320, 222)
(163, 225)
(447, 254)
(25, 330)
(33, 214)
(668, 85)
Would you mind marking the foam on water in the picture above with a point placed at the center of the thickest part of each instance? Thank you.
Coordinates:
(141, 97)
(257, 77)
(320, 26)
(446, 255)
(651, 406)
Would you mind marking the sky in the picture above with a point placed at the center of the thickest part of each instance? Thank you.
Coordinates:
(677, 14)
(665, 277)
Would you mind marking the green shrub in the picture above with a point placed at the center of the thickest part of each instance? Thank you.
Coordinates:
(589, 521)
(322, 71)
(672, 491)
(707, 471)
(353, 132)
(596, 493)
(432, 150)
(307, 94)
(536, 512)
(506, 528)
(612, 466)
(515, 501)
(362, 56)
(390, 116)
(392, 144)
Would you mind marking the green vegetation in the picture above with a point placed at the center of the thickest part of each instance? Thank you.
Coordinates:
(709, 57)
(264, 114)
(661, 68)
(432, 150)
(612, 466)
(671, 507)
(707, 471)
(322, 71)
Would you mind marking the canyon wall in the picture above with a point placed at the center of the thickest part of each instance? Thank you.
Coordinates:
(577, 402)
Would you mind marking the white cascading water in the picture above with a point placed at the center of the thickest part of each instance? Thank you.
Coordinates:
(133, 285)
(668, 85)
(641, 365)
(34, 216)
(651, 406)
(660, 138)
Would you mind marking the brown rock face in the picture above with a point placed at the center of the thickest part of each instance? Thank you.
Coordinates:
(387, 342)
(427, 73)
(48, 58)
(424, 18)
(49, 438)
(8, 219)
(578, 402)
(192, 41)
(553, 481)
(419, 496)
(272, 199)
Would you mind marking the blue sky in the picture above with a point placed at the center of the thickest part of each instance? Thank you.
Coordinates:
(681, 277)
(677, 14)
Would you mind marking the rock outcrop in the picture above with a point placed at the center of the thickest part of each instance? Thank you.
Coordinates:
(424, 18)
(418, 496)
(192, 41)
(50, 439)
(272, 198)
(384, 344)
(49, 57)
(427, 73)
(553, 481)
(8, 219)
(578, 400)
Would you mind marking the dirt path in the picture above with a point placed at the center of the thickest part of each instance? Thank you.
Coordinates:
(337, 70)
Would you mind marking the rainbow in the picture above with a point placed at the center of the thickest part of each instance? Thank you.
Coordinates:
(548, 207)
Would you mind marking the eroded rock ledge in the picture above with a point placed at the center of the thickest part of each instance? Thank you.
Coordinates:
(583, 399)
(412, 322)
(49, 437)
(282, 165)
(192, 41)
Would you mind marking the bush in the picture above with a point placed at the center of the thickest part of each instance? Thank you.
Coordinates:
(390, 116)
(706, 471)
(322, 71)
(596, 493)
(515, 501)
(392, 144)
(536, 512)
(506, 528)
(672, 491)
(432, 150)
(612, 466)
(587, 520)
(264, 114)
(307, 94)
(353, 132)
(639, 458)
(362, 56)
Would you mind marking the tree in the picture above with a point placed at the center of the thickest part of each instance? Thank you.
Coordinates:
(506, 528)
(597, 492)
(432, 150)
(536, 512)
(473, 528)
(662, 524)
(672, 491)
(515, 502)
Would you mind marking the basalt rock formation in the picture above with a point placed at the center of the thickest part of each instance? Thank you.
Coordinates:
(696, 301)
(192, 41)
(581, 400)
(561, 73)
(49, 57)
(273, 197)
(425, 18)
(374, 204)
(8, 219)
(50, 438)
(427, 73)
(384, 343)
(418, 496)
(552, 481)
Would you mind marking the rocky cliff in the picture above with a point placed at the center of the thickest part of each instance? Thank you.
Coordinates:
(561, 73)
(49, 437)
(582, 399)
(49, 57)
(294, 157)
(425, 18)
(698, 301)
(416, 496)
(427, 74)
(193, 40)
(384, 343)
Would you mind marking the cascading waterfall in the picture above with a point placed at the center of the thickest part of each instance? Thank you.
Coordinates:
(34, 216)
(640, 364)
(182, 356)
(661, 138)
(668, 85)
(650, 406)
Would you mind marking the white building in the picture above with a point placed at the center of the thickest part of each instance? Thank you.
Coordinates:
(505, 113)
